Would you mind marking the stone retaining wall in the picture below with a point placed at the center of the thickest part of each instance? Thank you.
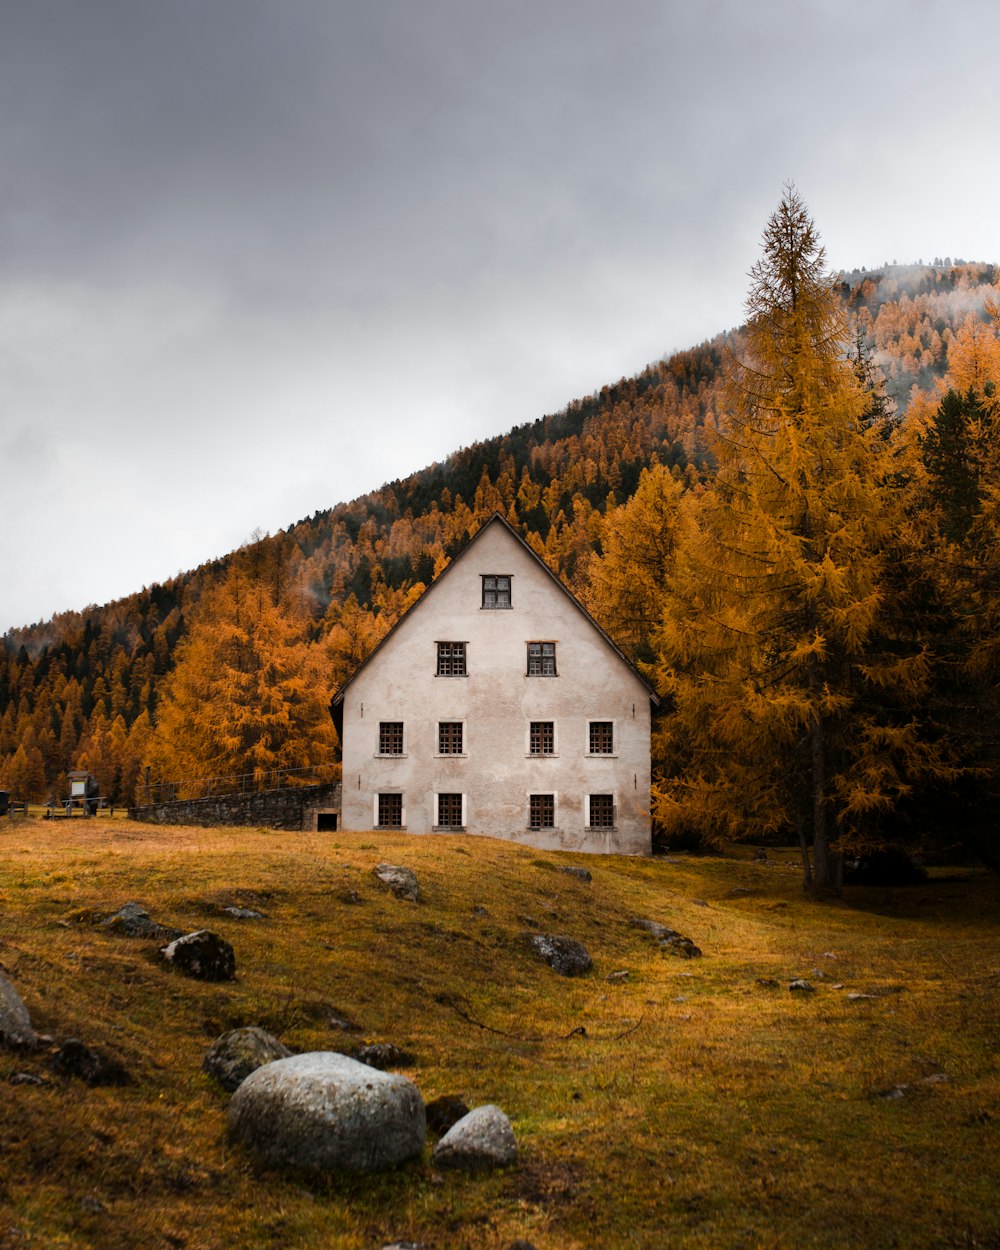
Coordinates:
(293, 808)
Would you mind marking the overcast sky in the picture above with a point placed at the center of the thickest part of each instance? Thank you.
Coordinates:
(261, 256)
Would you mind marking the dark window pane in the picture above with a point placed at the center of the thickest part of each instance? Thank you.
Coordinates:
(451, 659)
(602, 811)
(390, 811)
(541, 811)
(496, 591)
(449, 811)
(541, 659)
(542, 737)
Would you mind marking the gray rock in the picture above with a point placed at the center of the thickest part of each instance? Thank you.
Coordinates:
(242, 913)
(581, 874)
(15, 1023)
(233, 1056)
(659, 931)
(680, 946)
(481, 1139)
(133, 920)
(565, 955)
(327, 1111)
(401, 881)
(202, 955)
(799, 986)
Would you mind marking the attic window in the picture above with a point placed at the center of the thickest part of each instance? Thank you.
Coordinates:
(496, 590)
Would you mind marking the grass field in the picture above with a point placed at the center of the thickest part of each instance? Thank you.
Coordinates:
(697, 1103)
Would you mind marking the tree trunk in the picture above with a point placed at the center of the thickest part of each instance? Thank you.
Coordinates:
(829, 866)
(807, 875)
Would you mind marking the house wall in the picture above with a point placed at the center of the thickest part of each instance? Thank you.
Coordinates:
(496, 701)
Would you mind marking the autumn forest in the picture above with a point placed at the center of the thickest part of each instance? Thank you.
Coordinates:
(792, 529)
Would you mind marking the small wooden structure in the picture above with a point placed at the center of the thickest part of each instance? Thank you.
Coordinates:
(84, 797)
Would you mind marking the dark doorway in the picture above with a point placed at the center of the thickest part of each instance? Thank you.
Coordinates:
(326, 822)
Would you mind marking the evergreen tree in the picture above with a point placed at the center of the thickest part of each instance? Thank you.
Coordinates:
(792, 674)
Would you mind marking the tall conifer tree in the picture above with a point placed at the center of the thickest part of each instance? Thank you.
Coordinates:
(793, 681)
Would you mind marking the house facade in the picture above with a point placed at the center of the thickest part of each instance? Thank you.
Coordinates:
(498, 706)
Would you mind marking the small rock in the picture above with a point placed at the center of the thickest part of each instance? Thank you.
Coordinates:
(93, 1067)
(444, 1112)
(564, 955)
(860, 998)
(659, 931)
(682, 947)
(233, 1056)
(133, 920)
(202, 955)
(618, 978)
(401, 881)
(738, 891)
(799, 986)
(768, 983)
(482, 1139)
(383, 1055)
(581, 874)
(936, 1078)
(26, 1078)
(15, 1023)
(243, 913)
(327, 1111)
(699, 902)
(892, 1093)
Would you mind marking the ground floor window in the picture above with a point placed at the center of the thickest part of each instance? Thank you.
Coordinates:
(389, 811)
(602, 811)
(449, 811)
(541, 811)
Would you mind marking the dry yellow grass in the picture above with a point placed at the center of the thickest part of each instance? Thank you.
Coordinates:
(689, 1106)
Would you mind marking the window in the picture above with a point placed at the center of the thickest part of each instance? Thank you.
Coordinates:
(450, 737)
(602, 811)
(602, 737)
(542, 738)
(390, 811)
(541, 659)
(496, 591)
(541, 811)
(449, 811)
(451, 659)
(390, 737)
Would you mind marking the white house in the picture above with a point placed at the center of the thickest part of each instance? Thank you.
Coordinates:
(498, 706)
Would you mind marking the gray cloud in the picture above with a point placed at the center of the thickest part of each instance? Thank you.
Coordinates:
(257, 257)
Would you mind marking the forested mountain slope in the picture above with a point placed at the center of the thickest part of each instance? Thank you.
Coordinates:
(86, 688)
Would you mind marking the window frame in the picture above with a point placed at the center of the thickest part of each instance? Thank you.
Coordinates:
(602, 828)
(396, 796)
(451, 659)
(541, 656)
(384, 729)
(439, 752)
(531, 753)
(613, 727)
(492, 595)
(449, 794)
(538, 800)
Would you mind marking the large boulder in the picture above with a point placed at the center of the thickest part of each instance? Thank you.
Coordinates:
(401, 881)
(233, 1056)
(202, 955)
(565, 955)
(327, 1111)
(15, 1023)
(481, 1139)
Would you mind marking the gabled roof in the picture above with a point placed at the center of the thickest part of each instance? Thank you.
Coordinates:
(496, 519)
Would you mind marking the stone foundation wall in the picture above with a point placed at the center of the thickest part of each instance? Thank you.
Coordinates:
(294, 808)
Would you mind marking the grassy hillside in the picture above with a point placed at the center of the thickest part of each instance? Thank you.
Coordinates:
(697, 1103)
